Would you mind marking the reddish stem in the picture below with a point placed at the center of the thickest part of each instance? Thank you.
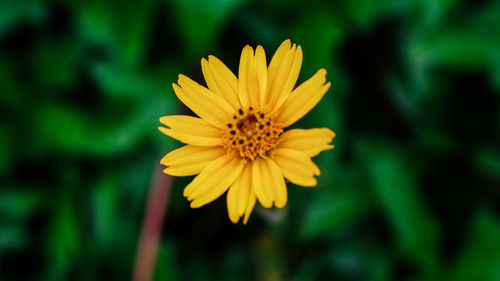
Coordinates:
(151, 228)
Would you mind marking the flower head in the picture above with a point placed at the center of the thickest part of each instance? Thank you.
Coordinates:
(239, 143)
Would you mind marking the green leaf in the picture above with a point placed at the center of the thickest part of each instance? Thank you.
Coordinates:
(94, 22)
(13, 237)
(126, 83)
(62, 74)
(64, 239)
(167, 266)
(12, 12)
(365, 12)
(9, 85)
(487, 159)
(132, 23)
(18, 203)
(7, 149)
(122, 25)
(200, 21)
(465, 48)
(317, 53)
(104, 211)
(395, 185)
(480, 260)
(332, 209)
(62, 128)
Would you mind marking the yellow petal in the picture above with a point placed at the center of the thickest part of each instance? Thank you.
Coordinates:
(252, 76)
(274, 66)
(214, 180)
(278, 58)
(221, 80)
(245, 188)
(191, 130)
(303, 98)
(190, 159)
(296, 166)
(311, 141)
(277, 183)
(251, 203)
(239, 194)
(261, 72)
(246, 61)
(284, 70)
(209, 171)
(207, 105)
(261, 183)
(232, 203)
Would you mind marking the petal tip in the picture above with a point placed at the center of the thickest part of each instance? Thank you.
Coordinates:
(247, 48)
(183, 80)
(165, 161)
(245, 219)
(267, 203)
(286, 44)
(280, 205)
(164, 120)
(312, 183)
(162, 129)
(167, 170)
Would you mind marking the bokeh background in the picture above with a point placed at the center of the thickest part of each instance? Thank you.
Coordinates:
(411, 191)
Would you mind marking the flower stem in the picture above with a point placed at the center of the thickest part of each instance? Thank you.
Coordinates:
(156, 207)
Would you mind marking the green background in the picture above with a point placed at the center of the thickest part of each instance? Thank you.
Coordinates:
(410, 192)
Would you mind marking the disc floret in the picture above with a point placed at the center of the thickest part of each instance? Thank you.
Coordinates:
(251, 133)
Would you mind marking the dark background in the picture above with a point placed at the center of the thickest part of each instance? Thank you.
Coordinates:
(410, 192)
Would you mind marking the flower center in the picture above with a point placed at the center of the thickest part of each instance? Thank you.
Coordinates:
(251, 133)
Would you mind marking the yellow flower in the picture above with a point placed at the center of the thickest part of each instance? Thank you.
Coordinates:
(239, 144)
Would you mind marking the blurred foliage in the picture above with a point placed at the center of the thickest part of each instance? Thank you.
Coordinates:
(411, 191)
